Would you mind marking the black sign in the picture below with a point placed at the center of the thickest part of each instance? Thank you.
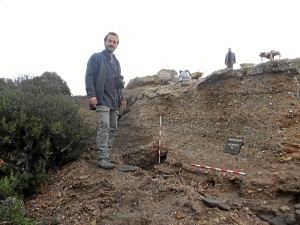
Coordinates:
(233, 145)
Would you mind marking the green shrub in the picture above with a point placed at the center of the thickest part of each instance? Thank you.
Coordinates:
(50, 83)
(13, 212)
(40, 128)
(8, 186)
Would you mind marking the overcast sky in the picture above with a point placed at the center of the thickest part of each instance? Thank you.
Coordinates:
(60, 35)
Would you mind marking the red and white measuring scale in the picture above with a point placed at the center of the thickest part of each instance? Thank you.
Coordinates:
(218, 169)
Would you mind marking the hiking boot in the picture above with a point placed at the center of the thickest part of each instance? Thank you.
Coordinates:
(105, 164)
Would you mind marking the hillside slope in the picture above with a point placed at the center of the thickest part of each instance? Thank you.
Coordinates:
(260, 105)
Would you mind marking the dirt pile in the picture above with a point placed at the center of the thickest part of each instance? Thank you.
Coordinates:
(258, 104)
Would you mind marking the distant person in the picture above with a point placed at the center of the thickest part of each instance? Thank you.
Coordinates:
(230, 59)
(104, 85)
(184, 75)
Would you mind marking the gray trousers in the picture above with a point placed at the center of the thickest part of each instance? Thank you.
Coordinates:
(230, 65)
(107, 127)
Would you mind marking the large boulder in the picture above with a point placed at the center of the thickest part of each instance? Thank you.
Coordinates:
(163, 77)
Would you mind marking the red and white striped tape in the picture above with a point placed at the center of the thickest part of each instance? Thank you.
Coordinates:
(218, 169)
(159, 141)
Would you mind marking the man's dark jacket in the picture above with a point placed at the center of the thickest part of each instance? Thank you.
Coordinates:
(98, 68)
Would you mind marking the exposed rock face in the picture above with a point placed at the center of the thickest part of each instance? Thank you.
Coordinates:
(259, 104)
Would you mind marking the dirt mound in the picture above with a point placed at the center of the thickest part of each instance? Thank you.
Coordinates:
(258, 104)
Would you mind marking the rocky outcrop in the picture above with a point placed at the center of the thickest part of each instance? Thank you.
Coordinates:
(163, 77)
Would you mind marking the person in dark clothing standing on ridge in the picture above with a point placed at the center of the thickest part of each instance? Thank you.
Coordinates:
(229, 59)
(104, 84)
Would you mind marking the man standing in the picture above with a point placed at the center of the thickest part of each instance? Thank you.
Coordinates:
(229, 59)
(103, 87)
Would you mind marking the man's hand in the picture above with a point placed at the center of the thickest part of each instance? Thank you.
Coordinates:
(93, 101)
(123, 106)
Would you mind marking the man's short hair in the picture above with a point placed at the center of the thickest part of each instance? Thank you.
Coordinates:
(111, 33)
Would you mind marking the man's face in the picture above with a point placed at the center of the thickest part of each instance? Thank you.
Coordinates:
(111, 43)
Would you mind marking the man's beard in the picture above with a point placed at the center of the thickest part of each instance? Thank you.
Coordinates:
(110, 49)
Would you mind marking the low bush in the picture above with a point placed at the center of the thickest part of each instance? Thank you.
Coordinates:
(13, 212)
(40, 129)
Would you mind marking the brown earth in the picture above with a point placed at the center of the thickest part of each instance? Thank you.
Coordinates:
(260, 104)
